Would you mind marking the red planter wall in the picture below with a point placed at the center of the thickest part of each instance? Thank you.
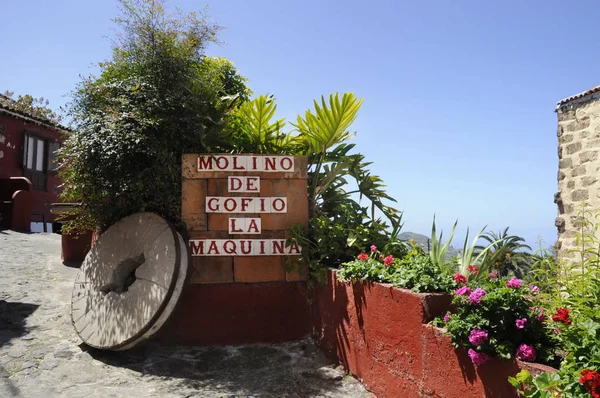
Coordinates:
(239, 313)
(378, 333)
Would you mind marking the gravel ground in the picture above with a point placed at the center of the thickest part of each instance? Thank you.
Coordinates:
(41, 356)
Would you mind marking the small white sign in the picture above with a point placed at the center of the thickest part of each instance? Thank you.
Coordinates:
(243, 184)
(243, 247)
(263, 163)
(222, 204)
(248, 226)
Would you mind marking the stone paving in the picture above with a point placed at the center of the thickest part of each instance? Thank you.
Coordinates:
(41, 356)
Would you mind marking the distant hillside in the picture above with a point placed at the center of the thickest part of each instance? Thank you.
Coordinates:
(422, 240)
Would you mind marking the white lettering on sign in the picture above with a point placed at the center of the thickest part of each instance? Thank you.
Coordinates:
(244, 226)
(263, 163)
(244, 247)
(243, 184)
(221, 204)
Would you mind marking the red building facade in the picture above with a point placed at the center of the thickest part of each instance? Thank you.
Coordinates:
(28, 147)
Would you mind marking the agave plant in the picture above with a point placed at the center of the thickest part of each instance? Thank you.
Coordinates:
(469, 255)
(473, 254)
(438, 250)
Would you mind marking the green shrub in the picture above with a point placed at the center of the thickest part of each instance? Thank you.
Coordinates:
(155, 99)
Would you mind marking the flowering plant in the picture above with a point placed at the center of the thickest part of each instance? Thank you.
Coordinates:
(414, 271)
(571, 296)
(497, 318)
(373, 266)
(590, 379)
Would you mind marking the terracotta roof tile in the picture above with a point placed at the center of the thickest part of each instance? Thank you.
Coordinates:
(8, 107)
(578, 96)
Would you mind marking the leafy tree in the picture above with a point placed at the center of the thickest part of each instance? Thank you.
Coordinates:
(158, 97)
(37, 107)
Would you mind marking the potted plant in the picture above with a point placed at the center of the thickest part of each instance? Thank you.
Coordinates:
(78, 232)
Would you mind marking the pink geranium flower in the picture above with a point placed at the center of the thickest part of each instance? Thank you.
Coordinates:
(477, 295)
(526, 353)
(463, 291)
(534, 288)
(521, 323)
(478, 337)
(478, 358)
(514, 283)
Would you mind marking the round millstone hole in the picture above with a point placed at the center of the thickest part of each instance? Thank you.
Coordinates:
(129, 283)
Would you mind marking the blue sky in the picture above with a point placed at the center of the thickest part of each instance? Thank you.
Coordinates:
(458, 114)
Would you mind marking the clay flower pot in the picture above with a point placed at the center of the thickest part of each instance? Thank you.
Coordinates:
(74, 245)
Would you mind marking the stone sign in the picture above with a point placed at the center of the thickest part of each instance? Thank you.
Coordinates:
(238, 209)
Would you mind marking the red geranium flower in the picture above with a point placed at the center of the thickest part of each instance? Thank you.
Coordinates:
(460, 279)
(591, 381)
(388, 260)
(562, 315)
(363, 256)
(473, 269)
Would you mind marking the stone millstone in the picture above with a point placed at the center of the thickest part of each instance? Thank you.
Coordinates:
(129, 283)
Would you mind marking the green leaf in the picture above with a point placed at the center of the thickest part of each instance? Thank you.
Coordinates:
(546, 380)
(524, 376)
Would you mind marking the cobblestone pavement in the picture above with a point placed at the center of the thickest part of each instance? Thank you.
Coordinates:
(41, 356)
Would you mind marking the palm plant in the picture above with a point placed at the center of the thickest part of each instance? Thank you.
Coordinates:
(506, 253)
(255, 132)
(339, 225)
(321, 135)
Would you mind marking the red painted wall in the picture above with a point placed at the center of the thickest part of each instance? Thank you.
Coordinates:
(239, 313)
(378, 333)
(11, 161)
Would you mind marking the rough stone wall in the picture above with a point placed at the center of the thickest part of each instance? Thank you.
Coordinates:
(579, 164)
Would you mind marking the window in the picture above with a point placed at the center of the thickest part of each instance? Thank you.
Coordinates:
(34, 161)
(53, 156)
(39, 157)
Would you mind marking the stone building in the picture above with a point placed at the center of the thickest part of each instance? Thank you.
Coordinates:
(579, 164)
